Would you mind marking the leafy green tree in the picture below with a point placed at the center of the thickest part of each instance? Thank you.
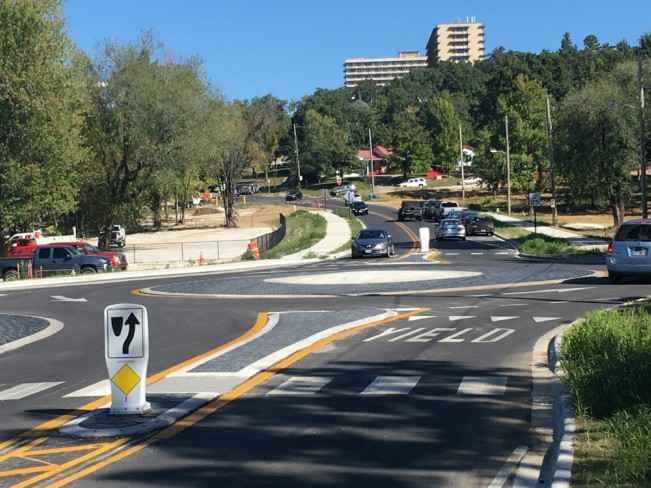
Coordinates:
(40, 97)
(412, 148)
(325, 148)
(596, 146)
(440, 119)
(267, 120)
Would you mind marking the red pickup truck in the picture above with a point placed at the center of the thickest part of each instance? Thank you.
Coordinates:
(27, 248)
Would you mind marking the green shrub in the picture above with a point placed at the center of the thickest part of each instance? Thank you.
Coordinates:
(631, 459)
(607, 361)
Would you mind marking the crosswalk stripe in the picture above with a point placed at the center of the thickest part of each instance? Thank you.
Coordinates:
(99, 389)
(391, 385)
(301, 385)
(482, 385)
(25, 389)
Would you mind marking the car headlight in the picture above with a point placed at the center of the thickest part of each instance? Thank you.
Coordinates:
(381, 245)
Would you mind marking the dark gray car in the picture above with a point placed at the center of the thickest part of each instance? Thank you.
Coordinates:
(372, 242)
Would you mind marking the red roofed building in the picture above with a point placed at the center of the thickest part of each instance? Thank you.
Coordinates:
(378, 162)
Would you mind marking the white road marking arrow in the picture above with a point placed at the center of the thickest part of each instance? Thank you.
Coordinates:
(420, 317)
(499, 319)
(545, 319)
(461, 317)
(60, 298)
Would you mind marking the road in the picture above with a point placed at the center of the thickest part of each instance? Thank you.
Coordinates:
(411, 371)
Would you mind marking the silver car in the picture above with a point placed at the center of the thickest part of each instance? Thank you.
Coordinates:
(629, 253)
(450, 229)
(372, 242)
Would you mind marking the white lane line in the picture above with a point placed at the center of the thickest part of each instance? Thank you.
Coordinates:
(482, 385)
(502, 253)
(26, 389)
(465, 306)
(99, 389)
(476, 253)
(391, 385)
(503, 475)
(451, 253)
(301, 385)
(514, 305)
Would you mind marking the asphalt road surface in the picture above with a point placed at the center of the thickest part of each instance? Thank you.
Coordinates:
(410, 371)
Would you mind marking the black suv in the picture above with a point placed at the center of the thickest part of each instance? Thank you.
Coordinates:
(480, 225)
(410, 209)
(430, 209)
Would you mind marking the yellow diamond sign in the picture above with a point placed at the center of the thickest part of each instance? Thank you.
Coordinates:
(125, 379)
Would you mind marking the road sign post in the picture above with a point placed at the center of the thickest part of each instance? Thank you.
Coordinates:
(534, 202)
(126, 346)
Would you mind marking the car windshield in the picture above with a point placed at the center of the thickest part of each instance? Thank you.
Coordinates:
(358, 204)
(90, 248)
(634, 232)
(371, 234)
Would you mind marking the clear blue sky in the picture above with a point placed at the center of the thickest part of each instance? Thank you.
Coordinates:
(289, 48)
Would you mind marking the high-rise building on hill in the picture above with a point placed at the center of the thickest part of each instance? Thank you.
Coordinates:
(459, 42)
(381, 70)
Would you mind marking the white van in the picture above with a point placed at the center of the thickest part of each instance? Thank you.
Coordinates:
(351, 196)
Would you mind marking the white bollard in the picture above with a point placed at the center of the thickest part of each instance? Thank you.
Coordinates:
(126, 329)
(423, 232)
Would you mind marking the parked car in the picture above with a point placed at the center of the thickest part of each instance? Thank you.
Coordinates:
(359, 208)
(51, 260)
(413, 183)
(430, 209)
(629, 253)
(372, 242)
(118, 259)
(450, 229)
(480, 225)
(293, 195)
(472, 181)
(341, 190)
(410, 209)
(116, 237)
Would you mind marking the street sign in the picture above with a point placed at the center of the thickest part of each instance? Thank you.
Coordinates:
(534, 199)
(126, 345)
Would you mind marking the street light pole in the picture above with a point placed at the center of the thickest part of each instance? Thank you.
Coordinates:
(370, 144)
(463, 185)
(298, 161)
(551, 161)
(508, 166)
(640, 88)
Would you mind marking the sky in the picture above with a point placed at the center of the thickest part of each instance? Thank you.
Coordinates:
(290, 48)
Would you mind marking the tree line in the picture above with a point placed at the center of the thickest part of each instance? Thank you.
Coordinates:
(89, 139)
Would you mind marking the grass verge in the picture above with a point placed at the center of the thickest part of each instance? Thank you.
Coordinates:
(304, 229)
(353, 222)
(607, 362)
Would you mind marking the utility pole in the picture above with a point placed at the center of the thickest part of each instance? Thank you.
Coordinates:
(463, 184)
(640, 98)
(551, 160)
(370, 144)
(298, 161)
(508, 165)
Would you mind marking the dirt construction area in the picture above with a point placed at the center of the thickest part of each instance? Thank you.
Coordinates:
(202, 236)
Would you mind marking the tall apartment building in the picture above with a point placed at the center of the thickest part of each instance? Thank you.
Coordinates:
(459, 42)
(381, 70)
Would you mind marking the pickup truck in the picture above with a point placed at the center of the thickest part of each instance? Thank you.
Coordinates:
(446, 207)
(51, 260)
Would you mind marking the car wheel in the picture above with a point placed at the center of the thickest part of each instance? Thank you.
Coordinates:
(10, 275)
(463, 238)
(88, 271)
(615, 279)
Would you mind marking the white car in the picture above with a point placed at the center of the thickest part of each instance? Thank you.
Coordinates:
(475, 180)
(413, 183)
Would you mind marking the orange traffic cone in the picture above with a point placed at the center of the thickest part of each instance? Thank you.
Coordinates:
(202, 260)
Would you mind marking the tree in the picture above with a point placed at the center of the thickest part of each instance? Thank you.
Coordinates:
(412, 150)
(40, 96)
(441, 121)
(596, 146)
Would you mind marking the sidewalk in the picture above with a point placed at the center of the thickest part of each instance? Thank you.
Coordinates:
(337, 234)
(574, 239)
